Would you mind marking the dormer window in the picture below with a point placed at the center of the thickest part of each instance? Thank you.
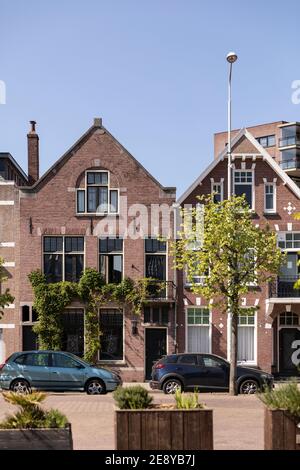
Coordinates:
(97, 197)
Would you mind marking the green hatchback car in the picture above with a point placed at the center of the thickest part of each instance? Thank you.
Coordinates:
(55, 371)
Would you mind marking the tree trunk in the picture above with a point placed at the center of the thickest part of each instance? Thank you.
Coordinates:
(233, 353)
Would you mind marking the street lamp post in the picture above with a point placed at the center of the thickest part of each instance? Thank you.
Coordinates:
(231, 58)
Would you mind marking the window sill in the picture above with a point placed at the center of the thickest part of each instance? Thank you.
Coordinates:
(197, 284)
(96, 214)
(266, 213)
(103, 362)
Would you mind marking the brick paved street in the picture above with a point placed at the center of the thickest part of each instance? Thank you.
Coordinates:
(238, 421)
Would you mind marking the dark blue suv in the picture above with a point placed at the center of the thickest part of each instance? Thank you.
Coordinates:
(205, 372)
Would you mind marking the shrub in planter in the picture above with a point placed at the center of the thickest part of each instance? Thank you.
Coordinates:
(282, 417)
(44, 429)
(142, 425)
(187, 401)
(132, 398)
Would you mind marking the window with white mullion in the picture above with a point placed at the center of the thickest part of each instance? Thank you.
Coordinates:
(246, 338)
(97, 197)
(217, 191)
(270, 197)
(198, 330)
(63, 258)
(289, 241)
(243, 185)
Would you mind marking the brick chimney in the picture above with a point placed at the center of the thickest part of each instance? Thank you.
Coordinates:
(33, 154)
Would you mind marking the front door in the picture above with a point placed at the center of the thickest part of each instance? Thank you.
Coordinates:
(155, 348)
(289, 351)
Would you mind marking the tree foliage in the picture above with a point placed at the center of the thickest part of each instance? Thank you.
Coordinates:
(232, 255)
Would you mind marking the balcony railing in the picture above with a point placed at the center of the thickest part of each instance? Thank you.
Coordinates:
(283, 287)
(287, 141)
(292, 164)
(161, 290)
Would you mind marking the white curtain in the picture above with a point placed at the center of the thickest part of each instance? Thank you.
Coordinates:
(198, 339)
(246, 343)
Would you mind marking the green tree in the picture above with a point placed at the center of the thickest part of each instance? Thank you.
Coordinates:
(5, 297)
(232, 254)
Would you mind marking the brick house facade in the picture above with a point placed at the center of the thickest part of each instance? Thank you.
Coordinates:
(61, 231)
(270, 340)
(54, 223)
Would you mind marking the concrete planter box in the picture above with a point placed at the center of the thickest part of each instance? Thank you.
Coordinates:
(164, 429)
(281, 431)
(36, 439)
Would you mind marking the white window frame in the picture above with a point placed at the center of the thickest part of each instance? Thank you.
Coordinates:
(252, 171)
(112, 253)
(198, 281)
(157, 253)
(221, 186)
(250, 363)
(30, 321)
(269, 211)
(281, 237)
(109, 189)
(209, 326)
(118, 361)
(63, 252)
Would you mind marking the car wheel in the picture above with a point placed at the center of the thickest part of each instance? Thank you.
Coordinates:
(249, 387)
(95, 387)
(20, 386)
(171, 386)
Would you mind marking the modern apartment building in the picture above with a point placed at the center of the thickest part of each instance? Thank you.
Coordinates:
(84, 212)
(266, 168)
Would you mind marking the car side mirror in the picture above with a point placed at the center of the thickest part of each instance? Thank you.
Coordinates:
(79, 366)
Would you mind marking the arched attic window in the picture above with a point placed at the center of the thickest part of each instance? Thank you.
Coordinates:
(96, 197)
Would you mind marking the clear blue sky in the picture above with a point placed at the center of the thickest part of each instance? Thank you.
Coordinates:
(155, 71)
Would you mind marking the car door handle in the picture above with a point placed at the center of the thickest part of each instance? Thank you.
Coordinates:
(54, 372)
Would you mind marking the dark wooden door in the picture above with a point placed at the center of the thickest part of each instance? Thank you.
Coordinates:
(156, 347)
(288, 345)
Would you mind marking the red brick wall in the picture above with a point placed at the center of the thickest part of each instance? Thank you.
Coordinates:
(281, 219)
(221, 138)
(52, 210)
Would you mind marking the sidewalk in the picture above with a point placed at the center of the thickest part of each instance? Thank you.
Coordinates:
(238, 421)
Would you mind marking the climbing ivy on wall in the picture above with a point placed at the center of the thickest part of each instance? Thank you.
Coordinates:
(51, 299)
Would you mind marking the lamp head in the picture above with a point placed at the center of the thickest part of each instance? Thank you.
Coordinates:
(231, 57)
